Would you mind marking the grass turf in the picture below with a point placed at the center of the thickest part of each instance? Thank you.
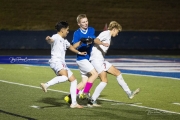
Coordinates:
(16, 100)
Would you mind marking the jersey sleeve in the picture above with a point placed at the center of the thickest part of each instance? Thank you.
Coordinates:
(54, 38)
(67, 43)
(92, 33)
(102, 37)
(75, 38)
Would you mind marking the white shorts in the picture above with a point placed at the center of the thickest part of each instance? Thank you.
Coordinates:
(84, 66)
(101, 65)
(58, 65)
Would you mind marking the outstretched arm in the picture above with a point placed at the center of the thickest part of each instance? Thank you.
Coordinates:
(76, 51)
(49, 40)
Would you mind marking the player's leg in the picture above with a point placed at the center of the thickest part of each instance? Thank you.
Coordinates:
(73, 88)
(100, 67)
(86, 68)
(99, 88)
(90, 81)
(61, 73)
(79, 90)
(114, 71)
(81, 85)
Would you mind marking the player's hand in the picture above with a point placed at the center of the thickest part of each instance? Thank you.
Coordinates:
(82, 53)
(105, 44)
(87, 40)
(48, 38)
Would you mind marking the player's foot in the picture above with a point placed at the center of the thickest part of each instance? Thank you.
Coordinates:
(43, 86)
(134, 93)
(76, 106)
(93, 103)
(67, 99)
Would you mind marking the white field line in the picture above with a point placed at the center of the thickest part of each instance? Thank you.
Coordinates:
(32, 86)
(122, 73)
(152, 76)
(139, 106)
(135, 105)
(176, 103)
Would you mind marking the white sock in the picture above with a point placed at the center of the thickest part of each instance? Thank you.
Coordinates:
(73, 88)
(55, 80)
(98, 90)
(123, 84)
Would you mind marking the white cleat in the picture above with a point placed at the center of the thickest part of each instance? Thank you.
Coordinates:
(93, 103)
(43, 86)
(76, 106)
(134, 93)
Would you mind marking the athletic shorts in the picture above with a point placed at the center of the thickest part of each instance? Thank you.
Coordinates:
(84, 66)
(101, 65)
(58, 65)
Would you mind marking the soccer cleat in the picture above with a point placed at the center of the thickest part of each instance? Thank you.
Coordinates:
(84, 96)
(43, 86)
(81, 96)
(67, 99)
(134, 93)
(93, 103)
(76, 106)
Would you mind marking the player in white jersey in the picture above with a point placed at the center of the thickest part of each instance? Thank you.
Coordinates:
(103, 67)
(57, 62)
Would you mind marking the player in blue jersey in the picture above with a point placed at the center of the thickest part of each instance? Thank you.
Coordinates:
(83, 40)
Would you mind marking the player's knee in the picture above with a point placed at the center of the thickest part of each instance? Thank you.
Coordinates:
(95, 74)
(64, 77)
(104, 80)
(117, 73)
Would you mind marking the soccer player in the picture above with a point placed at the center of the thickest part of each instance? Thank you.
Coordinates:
(103, 67)
(83, 40)
(57, 62)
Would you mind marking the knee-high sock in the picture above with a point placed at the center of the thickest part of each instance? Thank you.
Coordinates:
(73, 91)
(77, 91)
(87, 87)
(98, 90)
(123, 84)
(55, 80)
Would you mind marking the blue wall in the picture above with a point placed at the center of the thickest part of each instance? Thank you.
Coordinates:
(125, 40)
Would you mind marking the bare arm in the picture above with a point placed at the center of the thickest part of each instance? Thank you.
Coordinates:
(77, 44)
(49, 40)
(76, 51)
(98, 42)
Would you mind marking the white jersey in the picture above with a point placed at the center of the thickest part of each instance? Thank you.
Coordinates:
(99, 51)
(58, 48)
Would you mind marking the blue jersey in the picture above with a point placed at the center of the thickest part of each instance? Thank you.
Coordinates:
(78, 34)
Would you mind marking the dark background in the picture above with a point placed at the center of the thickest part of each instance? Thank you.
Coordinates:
(149, 26)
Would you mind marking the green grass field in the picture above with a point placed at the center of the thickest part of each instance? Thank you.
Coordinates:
(21, 97)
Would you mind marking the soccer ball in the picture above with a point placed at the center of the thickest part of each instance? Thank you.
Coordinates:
(67, 99)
